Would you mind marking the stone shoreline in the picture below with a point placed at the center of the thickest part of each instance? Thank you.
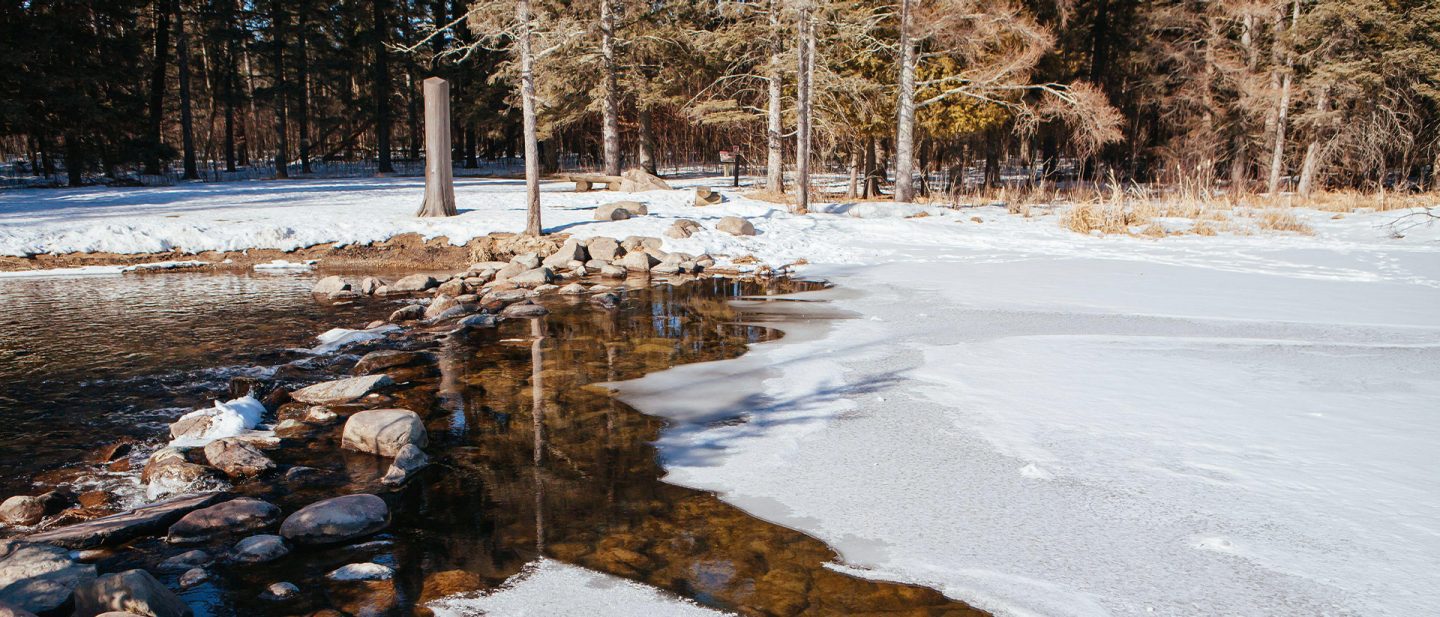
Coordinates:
(51, 571)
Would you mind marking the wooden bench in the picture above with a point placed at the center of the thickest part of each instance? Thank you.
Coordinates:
(586, 182)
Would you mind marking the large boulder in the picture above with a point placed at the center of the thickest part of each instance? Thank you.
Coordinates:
(378, 361)
(39, 578)
(637, 179)
(605, 249)
(383, 431)
(735, 226)
(533, 278)
(237, 458)
(241, 515)
(132, 591)
(572, 250)
(341, 390)
(153, 519)
(330, 285)
(263, 548)
(638, 261)
(611, 212)
(337, 519)
(414, 283)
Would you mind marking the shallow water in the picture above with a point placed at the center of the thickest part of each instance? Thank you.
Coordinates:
(530, 459)
(85, 360)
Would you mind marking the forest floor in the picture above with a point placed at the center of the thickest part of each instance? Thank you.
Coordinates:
(1027, 418)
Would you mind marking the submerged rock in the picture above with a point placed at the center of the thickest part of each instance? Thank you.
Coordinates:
(259, 549)
(383, 431)
(337, 519)
(377, 361)
(341, 390)
(408, 460)
(134, 591)
(479, 321)
(120, 528)
(186, 561)
(413, 284)
(240, 515)
(39, 578)
(279, 592)
(361, 572)
(193, 577)
(524, 310)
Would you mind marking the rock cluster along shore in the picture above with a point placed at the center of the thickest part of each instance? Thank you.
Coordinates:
(220, 516)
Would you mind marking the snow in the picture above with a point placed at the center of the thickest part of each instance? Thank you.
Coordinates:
(228, 419)
(103, 270)
(1031, 420)
(361, 572)
(335, 338)
(551, 588)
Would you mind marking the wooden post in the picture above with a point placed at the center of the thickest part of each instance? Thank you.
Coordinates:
(439, 184)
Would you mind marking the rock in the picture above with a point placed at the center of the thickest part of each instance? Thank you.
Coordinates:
(572, 250)
(606, 301)
(186, 561)
(10, 610)
(478, 321)
(320, 415)
(168, 471)
(24, 510)
(39, 578)
(574, 289)
(369, 286)
(639, 261)
(302, 476)
(524, 310)
(240, 515)
(683, 228)
(735, 226)
(279, 592)
(259, 549)
(614, 272)
(236, 458)
(452, 287)
(120, 614)
(504, 274)
(440, 304)
(361, 572)
(611, 212)
(337, 519)
(642, 243)
(408, 313)
(344, 296)
(637, 179)
(635, 208)
(134, 591)
(341, 390)
(120, 528)
(408, 460)
(114, 451)
(414, 283)
(330, 285)
(604, 249)
(528, 261)
(533, 278)
(512, 295)
(665, 268)
(193, 577)
(377, 361)
(705, 196)
(545, 289)
(291, 428)
(383, 431)
(455, 311)
(96, 499)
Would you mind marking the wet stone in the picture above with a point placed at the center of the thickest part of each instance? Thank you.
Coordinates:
(279, 592)
(193, 577)
(383, 431)
(237, 458)
(39, 578)
(259, 549)
(340, 391)
(237, 516)
(132, 590)
(337, 519)
(186, 561)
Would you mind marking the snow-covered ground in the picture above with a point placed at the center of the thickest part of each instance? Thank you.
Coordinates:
(1028, 419)
(549, 588)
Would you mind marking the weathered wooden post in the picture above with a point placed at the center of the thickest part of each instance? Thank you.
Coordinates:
(439, 183)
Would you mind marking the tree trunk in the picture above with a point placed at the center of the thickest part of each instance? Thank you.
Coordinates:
(187, 118)
(157, 86)
(774, 144)
(439, 186)
(527, 111)
(74, 160)
(303, 70)
(282, 146)
(610, 106)
(854, 164)
(1282, 112)
(382, 88)
(872, 184)
(905, 123)
(802, 135)
(646, 150)
(1311, 166)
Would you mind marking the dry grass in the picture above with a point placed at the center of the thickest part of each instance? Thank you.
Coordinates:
(1276, 219)
(1107, 217)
